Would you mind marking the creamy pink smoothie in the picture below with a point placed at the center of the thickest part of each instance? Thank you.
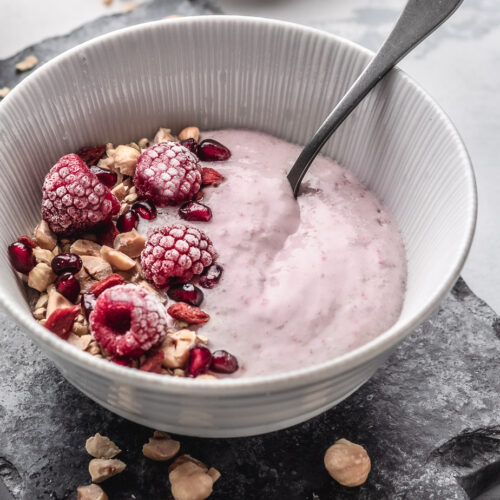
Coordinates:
(304, 280)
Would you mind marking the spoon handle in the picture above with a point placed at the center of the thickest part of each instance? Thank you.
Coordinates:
(417, 21)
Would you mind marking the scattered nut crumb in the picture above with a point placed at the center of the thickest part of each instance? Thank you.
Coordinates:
(86, 247)
(85, 280)
(130, 7)
(120, 191)
(189, 133)
(42, 255)
(101, 447)
(44, 237)
(27, 64)
(97, 267)
(348, 463)
(163, 135)
(131, 243)
(161, 447)
(4, 91)
(125, 159)
(190, 479)
(101, 469)
(80, 330)
(91, 492)
(40, 277)
(42, 301)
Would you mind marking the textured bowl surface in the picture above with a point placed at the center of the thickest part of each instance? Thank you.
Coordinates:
(220, 72)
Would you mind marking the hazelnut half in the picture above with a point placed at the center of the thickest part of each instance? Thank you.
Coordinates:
(348, 463)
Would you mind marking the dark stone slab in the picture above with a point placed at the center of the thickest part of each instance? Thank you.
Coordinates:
(430, 418)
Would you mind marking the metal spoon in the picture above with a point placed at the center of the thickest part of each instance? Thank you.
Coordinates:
(417, 21)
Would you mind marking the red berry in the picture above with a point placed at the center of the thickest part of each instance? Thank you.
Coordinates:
(211, 276)
(153, 362)
(176, 252)
(186, 293)
(106, 233)
(107, 177)
(167, 174)
(128, 321)
(66, 263)
(199, 360)
(27, 241)
(145, 209)
(92, 154)
(194, 211)
(223, 362)
(212, 150)
(21, 257)
(112, 280)
(69, 286)
(88, 303)
(73, 198)
(61, 321)
(127, 221)
(190, 144)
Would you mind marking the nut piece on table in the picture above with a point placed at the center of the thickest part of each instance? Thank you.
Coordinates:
(163, 135)
(86, 247)
(117, 259)
(125, 159)
(161, 447)
(189, 133)
(101, 447)
(40, 277)
(101, 469)
(190, 479)
(27, 63)
(348, 463)
(44, 237)
(131, 243)
(176, 348)
(4, 92)
(91, 492)
(97, 267)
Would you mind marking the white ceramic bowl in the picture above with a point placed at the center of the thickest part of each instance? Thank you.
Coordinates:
(272, 76)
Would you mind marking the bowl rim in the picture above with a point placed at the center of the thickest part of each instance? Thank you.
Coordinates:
(289, 381)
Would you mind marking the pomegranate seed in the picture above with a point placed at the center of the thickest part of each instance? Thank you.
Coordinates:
(212, 150)
(21, 257)
(88, 303)
(27, 241)
(66, 263)
(107, 177)
(190, 144)
(68, 286)
(211, 276)
(199, 360)
(223, 362)
(186, 293)
(195, 211)
(145, 209)
(127, 221)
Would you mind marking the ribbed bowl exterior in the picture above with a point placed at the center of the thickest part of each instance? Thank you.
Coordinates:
(220, 72)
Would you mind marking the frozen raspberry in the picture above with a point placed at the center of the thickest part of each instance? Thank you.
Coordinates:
(175, 253)
(127, 321)
(167, 174)
(73, 198)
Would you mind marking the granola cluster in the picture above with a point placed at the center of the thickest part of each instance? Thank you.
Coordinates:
(104, 287)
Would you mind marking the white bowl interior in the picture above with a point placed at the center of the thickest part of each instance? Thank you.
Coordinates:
(219, 73)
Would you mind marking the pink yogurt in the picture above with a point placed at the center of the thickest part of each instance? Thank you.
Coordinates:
(304, 280)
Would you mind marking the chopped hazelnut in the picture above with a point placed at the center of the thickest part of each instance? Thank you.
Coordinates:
(161, 447)
(86, 247)
(190, 479)
(39, 313)
(91, 492)
(85, 280)
(163, 135)
(44, 237)
(40, 277)
(176, 347)
(131, 243)
(97, 267)
(101, 447)
(117, 259)
(81, 343)
(42, 301)
(42, 255)
(120, 191)
(56, 301)
(101, 469)
(189, 133)
(4, 91)
(143, 143)
(347, 463)
(80, 329)
(125, 159)
(130, 198)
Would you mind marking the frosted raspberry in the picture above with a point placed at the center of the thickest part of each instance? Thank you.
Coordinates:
(73, 198)
(128, 321)
(176, 251)
(167, 174)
